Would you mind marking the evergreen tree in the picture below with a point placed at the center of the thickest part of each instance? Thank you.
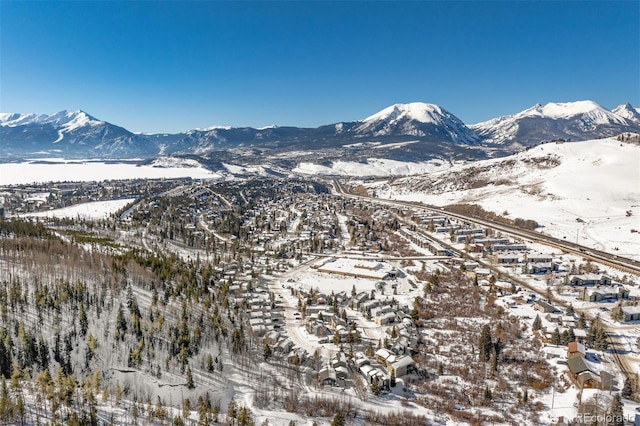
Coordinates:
(485, 344)
(498, 346)
(616, 412)
(601, 341)
(190, 383)
(43, 354)
(5, 360)
(339, 419)
(6, 406)
(582, 321)
(376, 387)
(555, 337)
(266, 352)
(537, 323)
(231, 409)
(83, 320)
(627, 389)
(570, 311)
(210, 363)
(121, 324)
(487, 394)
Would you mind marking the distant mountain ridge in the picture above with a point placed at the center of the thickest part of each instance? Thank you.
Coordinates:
(67, 133)
(415, 130)
(581, 120)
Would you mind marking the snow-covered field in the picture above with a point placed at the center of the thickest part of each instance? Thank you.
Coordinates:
(92, 210)
(373, 167)
(592, 196)
(60, 170)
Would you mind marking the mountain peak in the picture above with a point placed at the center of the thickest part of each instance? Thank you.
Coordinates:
(417, 111)
(417, 119)
(556, 110)
(628, 112)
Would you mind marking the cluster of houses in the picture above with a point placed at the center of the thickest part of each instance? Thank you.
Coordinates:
(380, 368)
(424, 241)
(19, 199)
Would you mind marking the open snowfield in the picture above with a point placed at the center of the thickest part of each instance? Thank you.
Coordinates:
(373, 167)
(328, 283)
(592, 196)
(60, 170)
(92, 210)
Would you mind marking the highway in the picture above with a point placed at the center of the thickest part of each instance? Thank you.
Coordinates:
(621, 263)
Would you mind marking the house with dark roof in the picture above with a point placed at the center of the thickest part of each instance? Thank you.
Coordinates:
(587, 376)
(600, 294)
(590, 280)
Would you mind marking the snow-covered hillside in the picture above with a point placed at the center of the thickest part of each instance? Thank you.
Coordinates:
(587, 192)
(373, 167)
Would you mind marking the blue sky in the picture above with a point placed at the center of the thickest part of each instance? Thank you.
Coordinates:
(173, 66)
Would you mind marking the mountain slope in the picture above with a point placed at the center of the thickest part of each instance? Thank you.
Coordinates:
(569, 121)
(628, 112)
(576, 190)
(69, 133)
(416, 119)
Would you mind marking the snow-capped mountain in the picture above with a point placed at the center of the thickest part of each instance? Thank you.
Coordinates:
(570, 121)
(628, 112)
(416, 119)
(67, 132)
(67, 120)
(402, 132)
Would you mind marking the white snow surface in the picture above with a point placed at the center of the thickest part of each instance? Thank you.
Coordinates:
(60, 170)
(592, 196)
(589, 110)
(373, 167)
(91, 210)
(65, 120)
(405, 118)
(417, 111)
(628, 112)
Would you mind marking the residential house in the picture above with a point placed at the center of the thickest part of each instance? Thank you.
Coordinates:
(508, 259)
(386, 318)
(542, 267)
(542, 306)
(401, 366)
(590, 280)
(327, 376)
(603, 294)
(587, 375)
(631, 313)
(575, 349)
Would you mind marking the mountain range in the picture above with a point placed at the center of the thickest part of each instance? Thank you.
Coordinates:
(413, 131)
